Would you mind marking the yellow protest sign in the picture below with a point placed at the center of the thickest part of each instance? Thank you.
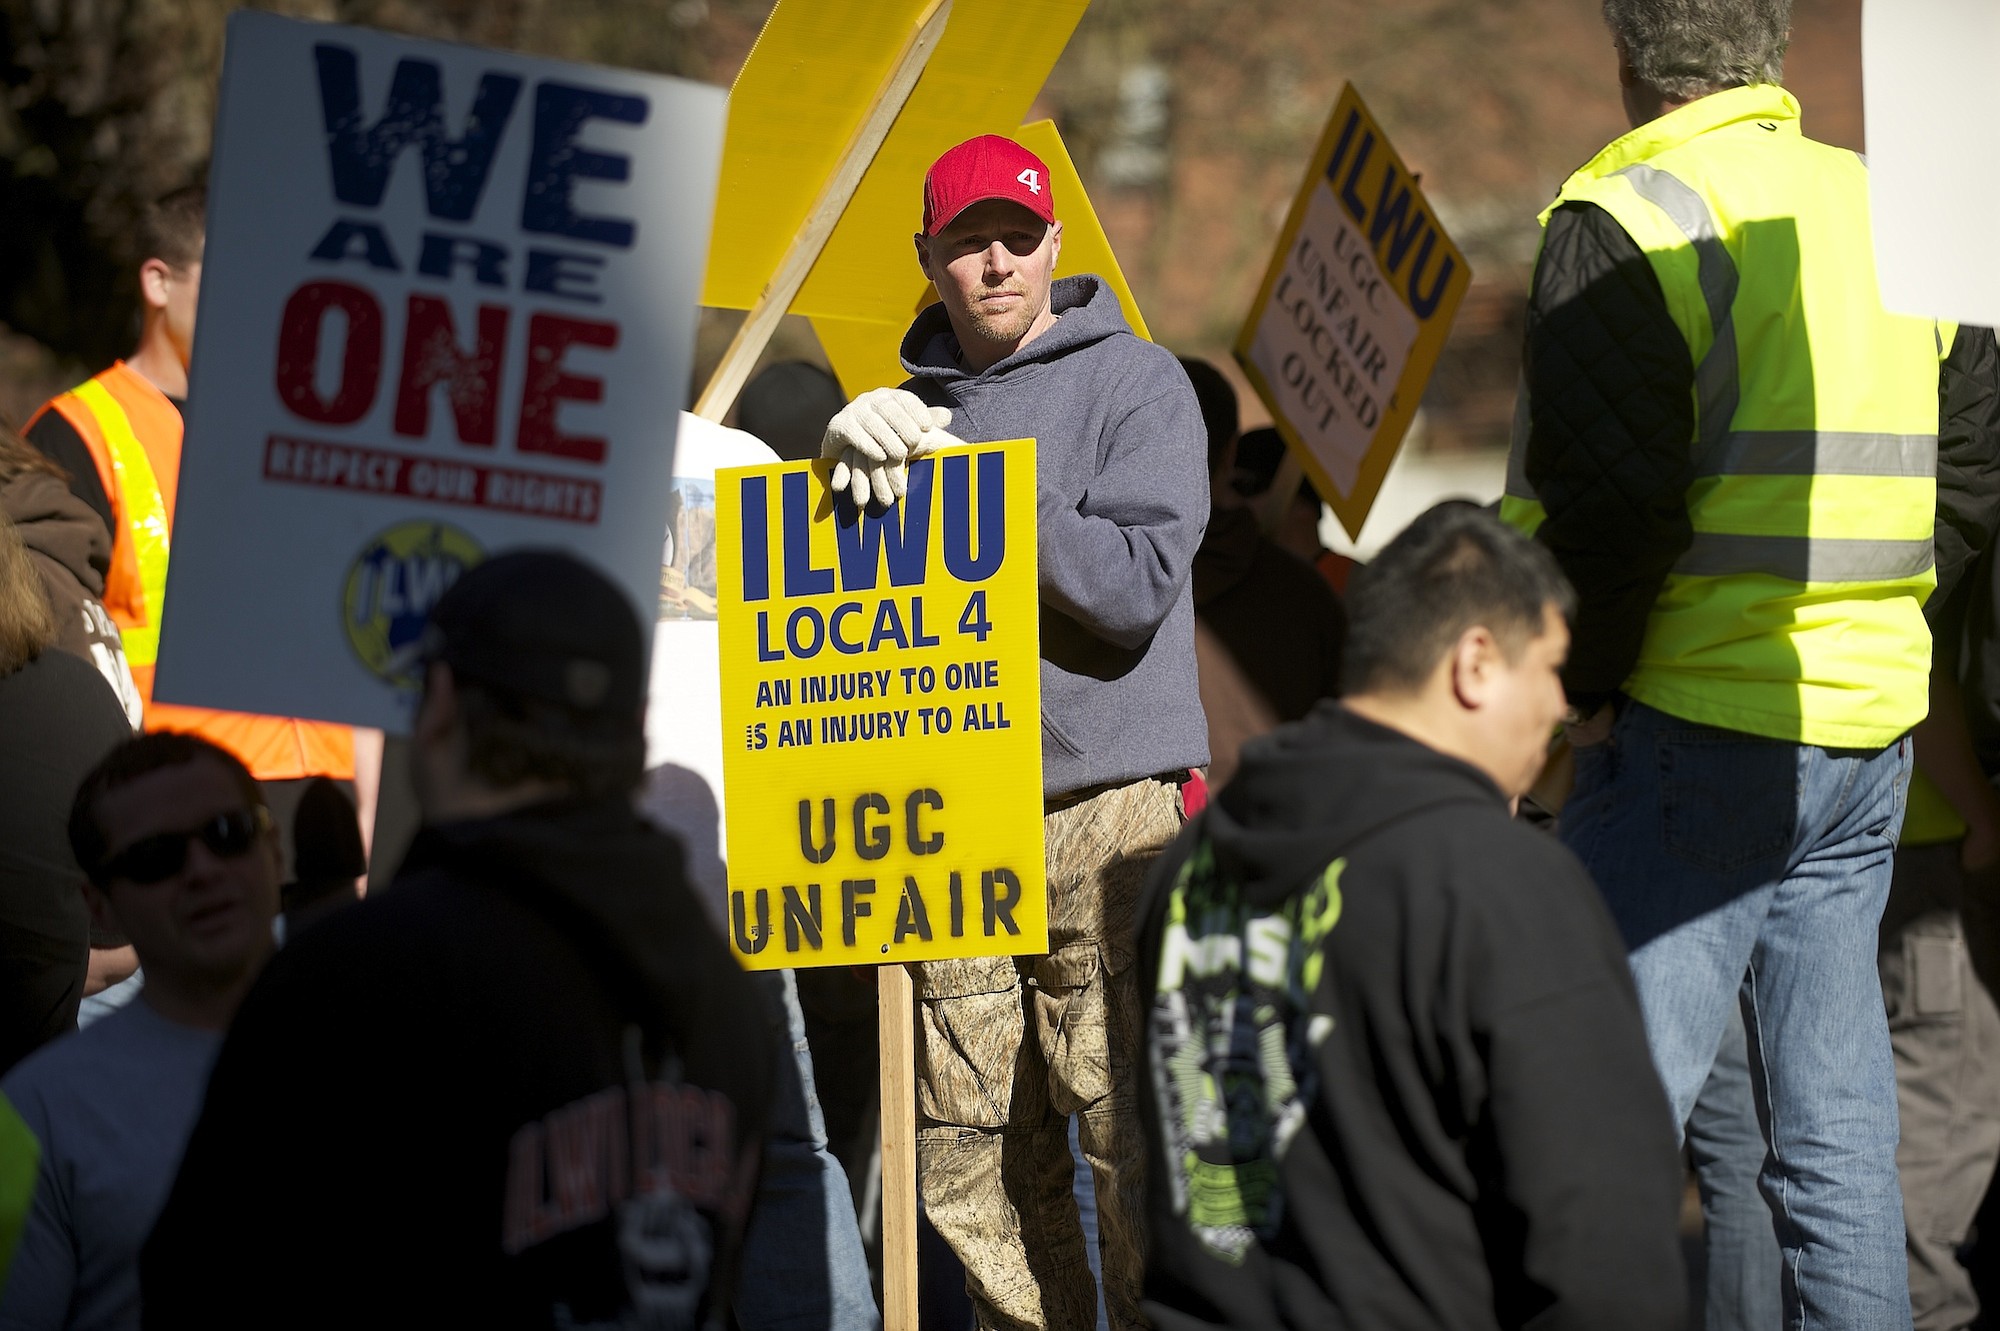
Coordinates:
(1353, 312)
(864, 352)
(1085, 247)
(794, 110)
(798, 100)
(881, 713)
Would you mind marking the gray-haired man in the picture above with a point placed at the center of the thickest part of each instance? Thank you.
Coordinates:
(1734, 452)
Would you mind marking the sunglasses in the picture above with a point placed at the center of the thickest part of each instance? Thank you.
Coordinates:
(159, 857)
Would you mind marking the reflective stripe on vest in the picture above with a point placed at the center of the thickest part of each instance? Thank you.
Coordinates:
(1820, 453)
(1805, 558)
(1715, 378)
(145, 515)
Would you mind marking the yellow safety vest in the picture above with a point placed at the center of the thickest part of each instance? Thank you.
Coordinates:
(1797, 612)
(20, 1166)
(133, 434)
(145, 518)
(1929, 819)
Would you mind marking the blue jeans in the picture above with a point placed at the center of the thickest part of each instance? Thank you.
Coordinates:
(803, 1267)
(1727, 1145)
(1083, 1185)
(1734, 862)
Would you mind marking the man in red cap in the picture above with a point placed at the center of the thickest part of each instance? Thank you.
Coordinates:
(1010, 1048)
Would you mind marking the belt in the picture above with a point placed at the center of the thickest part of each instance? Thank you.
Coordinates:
(1181, 777)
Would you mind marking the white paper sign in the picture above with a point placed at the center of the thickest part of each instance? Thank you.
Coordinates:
(448, 305)
(1355, 307)
(1928, 70)
(1333, 339)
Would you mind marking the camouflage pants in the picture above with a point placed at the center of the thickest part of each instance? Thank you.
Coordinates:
(1009, 1047)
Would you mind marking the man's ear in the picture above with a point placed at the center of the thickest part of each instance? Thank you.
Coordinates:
(1628, 77)
(1055, 243)
(155, 276)
(924, 254)
(1475, 658)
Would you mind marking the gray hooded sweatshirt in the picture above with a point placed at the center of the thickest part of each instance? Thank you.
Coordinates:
(1121, 459)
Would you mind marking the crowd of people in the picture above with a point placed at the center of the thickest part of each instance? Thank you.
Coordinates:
(1416, 930)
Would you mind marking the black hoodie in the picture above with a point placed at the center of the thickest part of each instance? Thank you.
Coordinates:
(1395, 1075)
(524, 1086)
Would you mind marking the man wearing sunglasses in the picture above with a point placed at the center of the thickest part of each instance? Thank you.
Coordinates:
(180, 858)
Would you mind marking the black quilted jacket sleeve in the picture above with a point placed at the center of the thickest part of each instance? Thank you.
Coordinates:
(1968, 458)
(1610, 448)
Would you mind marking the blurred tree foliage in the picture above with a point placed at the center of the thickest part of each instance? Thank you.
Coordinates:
(108, 104)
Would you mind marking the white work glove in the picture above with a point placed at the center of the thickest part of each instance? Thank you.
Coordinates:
(873, 438)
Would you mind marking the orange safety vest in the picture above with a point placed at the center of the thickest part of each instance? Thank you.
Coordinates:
(133, 432)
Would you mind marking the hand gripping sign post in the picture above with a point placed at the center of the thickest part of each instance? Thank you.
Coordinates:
(882, 753)
(1353, 312)
(448, 307)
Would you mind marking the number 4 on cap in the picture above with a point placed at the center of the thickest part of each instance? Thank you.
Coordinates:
(1032, 179)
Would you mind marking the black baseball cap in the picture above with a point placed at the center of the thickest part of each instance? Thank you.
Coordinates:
(543, 624)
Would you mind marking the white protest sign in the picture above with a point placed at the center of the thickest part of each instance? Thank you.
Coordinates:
(447, 308)
(1332, 357)
(1353, 313)
(1927, 70)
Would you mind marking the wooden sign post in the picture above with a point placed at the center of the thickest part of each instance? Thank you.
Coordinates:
(896, 993)
(833, 120)
(804, 251)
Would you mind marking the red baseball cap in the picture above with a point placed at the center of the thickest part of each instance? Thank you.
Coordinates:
(988, 167)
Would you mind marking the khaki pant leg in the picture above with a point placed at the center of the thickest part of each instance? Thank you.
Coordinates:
(1945, 1030)
(1112, 1142)
(993, 1158)
(1087, 1008)
(1002, 1198)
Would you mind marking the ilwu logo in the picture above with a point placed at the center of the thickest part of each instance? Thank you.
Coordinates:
(392, 585)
